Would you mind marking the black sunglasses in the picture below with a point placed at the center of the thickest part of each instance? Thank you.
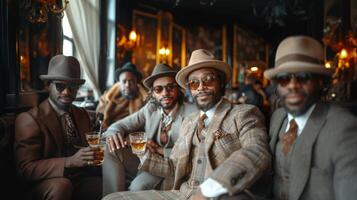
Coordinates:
(169, 88)
(207, 81)
(284, 78)
(60, 87)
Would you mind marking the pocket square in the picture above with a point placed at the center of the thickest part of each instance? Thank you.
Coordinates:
(218, 134)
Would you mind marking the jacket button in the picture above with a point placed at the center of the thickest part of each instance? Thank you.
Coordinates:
(199, 161)
(233, 181)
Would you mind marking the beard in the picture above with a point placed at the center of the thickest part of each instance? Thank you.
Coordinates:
(129, 95)
(208, 105)
(59, 104)
(310, 99)
(170, 106)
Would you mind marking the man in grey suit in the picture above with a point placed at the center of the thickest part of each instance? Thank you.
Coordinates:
(160, 118)
(314, 142)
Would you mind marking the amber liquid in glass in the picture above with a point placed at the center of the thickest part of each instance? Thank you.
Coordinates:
(138, 146)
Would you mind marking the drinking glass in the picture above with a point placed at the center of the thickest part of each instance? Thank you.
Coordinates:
(138, 142)
(93, 138)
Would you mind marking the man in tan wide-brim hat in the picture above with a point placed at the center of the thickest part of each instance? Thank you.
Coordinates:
(313, 142)
(221, 150)
(48, 137)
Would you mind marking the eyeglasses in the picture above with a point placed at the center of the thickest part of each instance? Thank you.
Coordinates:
(301, 77)
(60, 87)
(169, 88)
(207, 81)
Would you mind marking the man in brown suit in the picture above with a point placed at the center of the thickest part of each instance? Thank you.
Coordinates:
(314, 143)
(160, 118)
(124, 98)
(49, 140)
(222, 149)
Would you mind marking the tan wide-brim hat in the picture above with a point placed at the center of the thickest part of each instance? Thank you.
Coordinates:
(298, 54)
(202, 58)
(160, 70)
(63, 68)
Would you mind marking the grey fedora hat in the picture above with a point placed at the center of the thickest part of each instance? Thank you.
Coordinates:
(63, 68)
(160, 70)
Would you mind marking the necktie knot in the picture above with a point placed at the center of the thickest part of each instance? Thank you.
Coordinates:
(290, 136)
(202, 119)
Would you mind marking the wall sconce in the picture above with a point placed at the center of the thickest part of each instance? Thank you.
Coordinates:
(164, 53)
(254, 69)
(126, 44)
(328, 65)
(37, 10)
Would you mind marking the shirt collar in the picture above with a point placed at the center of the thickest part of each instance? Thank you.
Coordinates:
(301, 120)
(167, 118)
(210, 113)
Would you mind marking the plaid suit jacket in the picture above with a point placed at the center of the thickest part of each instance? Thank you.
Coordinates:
(237, 149)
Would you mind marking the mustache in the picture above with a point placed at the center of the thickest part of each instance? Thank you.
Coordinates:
(294, 92)
(203, 93)
(165, 97)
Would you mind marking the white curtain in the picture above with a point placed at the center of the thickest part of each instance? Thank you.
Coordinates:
(83, 17)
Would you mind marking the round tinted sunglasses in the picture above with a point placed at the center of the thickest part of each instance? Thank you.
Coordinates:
(302, 77)
(60, 87)
(169, 88)
(207, 81)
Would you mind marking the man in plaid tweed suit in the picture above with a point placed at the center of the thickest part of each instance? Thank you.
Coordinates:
(221, 150)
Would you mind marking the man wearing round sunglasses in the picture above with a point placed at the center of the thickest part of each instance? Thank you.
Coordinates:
(47, 138)
(314, 142)
(160, 118)
(125, 97)
(222, 149)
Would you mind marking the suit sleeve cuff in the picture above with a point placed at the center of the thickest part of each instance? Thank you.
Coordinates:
(211, 188)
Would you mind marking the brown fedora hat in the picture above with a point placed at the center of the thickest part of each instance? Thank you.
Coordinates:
(202, 58)
(63, 68)
(160, 70)
(298, 54)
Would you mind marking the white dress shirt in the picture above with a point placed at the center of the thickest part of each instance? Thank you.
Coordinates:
(300, 120)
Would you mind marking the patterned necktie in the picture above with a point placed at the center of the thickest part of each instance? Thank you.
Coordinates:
(70, 129)
(289, 137)
(201, 125)
(164, 137)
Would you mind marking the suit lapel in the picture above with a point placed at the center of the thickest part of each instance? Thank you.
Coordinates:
(301, 156)
(275, 128)
(156, 117)
(52, 123)
(222, 109)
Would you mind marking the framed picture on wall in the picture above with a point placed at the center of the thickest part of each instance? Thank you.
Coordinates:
(146, 26)
(178, 46)
(250, 56)
(210, 37)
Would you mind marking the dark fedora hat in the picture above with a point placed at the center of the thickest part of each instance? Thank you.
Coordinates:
(160, 70)
(64, 68)
(128, 67)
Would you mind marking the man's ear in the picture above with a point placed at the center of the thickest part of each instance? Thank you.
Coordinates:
(47, 85)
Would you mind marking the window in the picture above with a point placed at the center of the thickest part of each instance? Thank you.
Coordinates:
(68, 43)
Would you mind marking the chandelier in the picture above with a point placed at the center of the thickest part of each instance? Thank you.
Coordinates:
(38, 10)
